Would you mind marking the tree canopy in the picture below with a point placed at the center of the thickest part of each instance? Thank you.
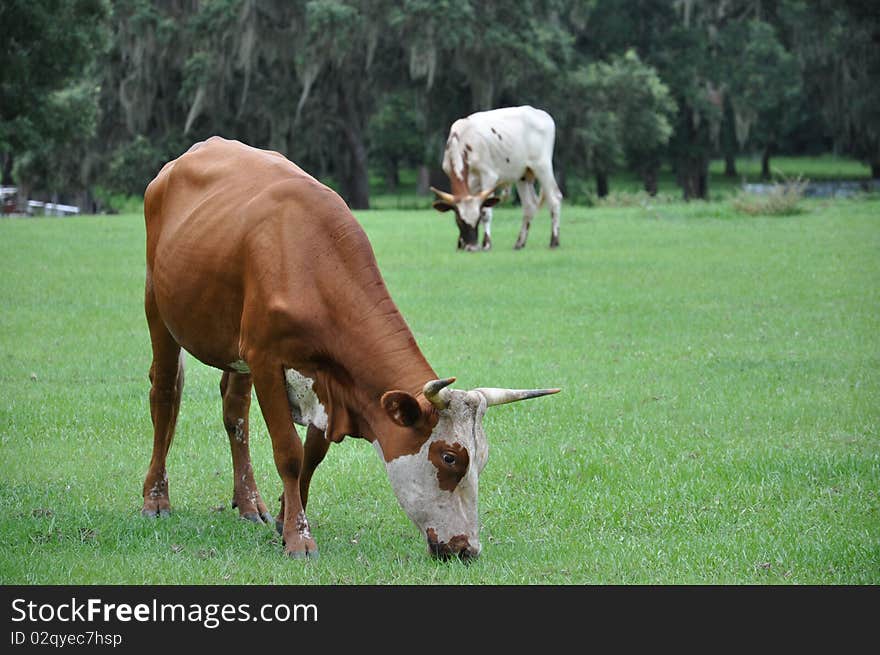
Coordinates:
(98, 95)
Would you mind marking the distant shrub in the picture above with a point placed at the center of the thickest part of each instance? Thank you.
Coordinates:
(118, 203)
(778, 199)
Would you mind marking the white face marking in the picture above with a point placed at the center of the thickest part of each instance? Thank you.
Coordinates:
(470, 209)
(416, 483)
(304, 404)
(448, 513)
(240, 365)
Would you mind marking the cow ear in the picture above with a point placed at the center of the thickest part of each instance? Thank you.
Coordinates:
(402, 408)
(441, 206)
(491, 201)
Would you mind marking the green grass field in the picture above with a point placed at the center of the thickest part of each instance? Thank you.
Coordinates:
(719, 421)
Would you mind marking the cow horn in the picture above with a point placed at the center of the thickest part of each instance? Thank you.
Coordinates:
(485, 194)
(446, 197)
(502, 396)
(437, 393)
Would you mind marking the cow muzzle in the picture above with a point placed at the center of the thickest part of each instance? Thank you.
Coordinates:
(467, 237)
(458, 546)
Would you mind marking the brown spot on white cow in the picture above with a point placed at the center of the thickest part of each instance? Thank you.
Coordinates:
(457, 545)
(451, 461)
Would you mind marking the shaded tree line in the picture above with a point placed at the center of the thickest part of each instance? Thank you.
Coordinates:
(96, 96)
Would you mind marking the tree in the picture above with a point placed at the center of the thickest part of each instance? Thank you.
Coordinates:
(646, 111)
(46, 46)
(341, 86)
(472, 56)
(60, 164)
(761, 83)
(836, 45)
(141, 111)
(395, 129)
(687, 62)
(625, 117)
(678, 40)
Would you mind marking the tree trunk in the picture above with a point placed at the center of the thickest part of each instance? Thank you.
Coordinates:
(875, 169)
(601, 184)
(86, 202)
(423, 181)
(765, 164)
(729, 164)
(692, 161)
(356, 184)
(729, 143)
(6, 177)
(649, 178)
(392, 176)
(562, 179)
(693, 176)
(356, 180)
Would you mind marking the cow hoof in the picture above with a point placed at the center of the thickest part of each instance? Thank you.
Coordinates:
(279, 526)
(152, 513)
(307, 549)
(518, 246)
(554, 243)
(255, 517)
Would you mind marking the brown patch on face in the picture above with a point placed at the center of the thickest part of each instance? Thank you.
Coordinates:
(457, 545)
(397, 441)
(451, 462)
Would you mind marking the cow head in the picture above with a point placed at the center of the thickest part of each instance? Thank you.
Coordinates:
(468, 210)
(436, 481)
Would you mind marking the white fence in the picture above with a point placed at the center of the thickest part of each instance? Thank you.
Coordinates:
(34, 207)
(51, 208)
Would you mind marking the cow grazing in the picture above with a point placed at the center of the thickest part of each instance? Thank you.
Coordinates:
(492, 149)
(259, 270)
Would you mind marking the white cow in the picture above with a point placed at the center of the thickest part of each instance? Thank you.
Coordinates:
(492, 149)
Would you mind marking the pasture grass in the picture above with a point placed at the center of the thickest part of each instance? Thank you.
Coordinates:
(718, 422)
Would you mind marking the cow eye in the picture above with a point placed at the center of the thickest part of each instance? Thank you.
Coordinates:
(449, 458)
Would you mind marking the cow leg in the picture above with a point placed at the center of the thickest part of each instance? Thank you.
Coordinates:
(166, 386)
(553, 198)
(487, 228)
(529, 202)
(316, 447)
(288, 453)
(235, 390)
(555, 201)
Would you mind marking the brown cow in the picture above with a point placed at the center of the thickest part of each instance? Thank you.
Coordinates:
(261, 271)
